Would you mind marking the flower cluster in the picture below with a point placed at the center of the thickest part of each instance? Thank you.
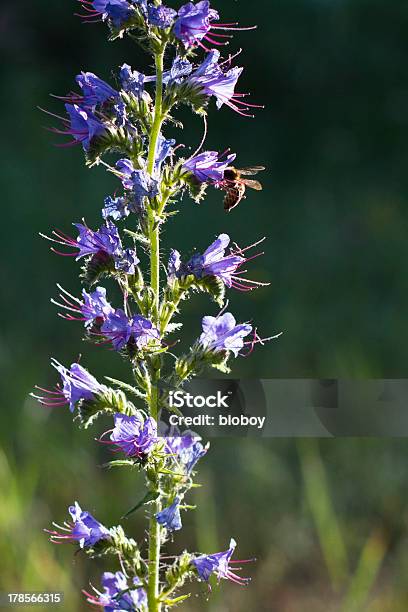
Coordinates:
(127, 119)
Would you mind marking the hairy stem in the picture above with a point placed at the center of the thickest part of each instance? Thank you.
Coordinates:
(154, 230)
(154, 238)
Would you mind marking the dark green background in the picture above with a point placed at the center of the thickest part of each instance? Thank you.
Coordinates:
(334, 137)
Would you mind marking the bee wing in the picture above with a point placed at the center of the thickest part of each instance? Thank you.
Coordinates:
(251, 170)
(252, 184)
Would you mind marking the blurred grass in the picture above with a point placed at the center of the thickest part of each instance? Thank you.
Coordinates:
(319, 498)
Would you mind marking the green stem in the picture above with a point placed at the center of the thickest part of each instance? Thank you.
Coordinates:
(154, 231)
(172, 310)
(154, 537)
(154, 237)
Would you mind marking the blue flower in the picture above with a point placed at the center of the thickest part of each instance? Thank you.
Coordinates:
(118, 595)
(216, 262)
(83, 126)
(209, 167)
(194, 22)
(120, 329)
(104, 244)
(127, 261)
(117, 328)
(133, 435)
(161, 16)
(144, 186)
(139, 182)
(87, 530)
(180, 68)
(215, 81)
(143, 331)
(211, 79)
(95, 91)
(223, 334)
(105, 240)
(186, 448)
(117, 11)
(95, 307)
(174, 266)
(126, 170)
(164, 148)
(116, 208)
(77, 384)
(220, 565)
(84, 529)
(170, 517)
(195, 25)
(121, 117)
(132, 81)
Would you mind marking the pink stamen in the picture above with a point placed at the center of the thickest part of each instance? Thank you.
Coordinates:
(214, 42)
(203, 46)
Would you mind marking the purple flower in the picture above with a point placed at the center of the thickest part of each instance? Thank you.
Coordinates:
(132, 81)
(174, 266)
(161, 16)
(164, 148)
(216, 262)
(84, 529)
(95, 91)
(212, 79)
(143, 331)
(144, 186)
(82, 125)
(117, 595)
(104, 244)
(120, 329)
(223, 334)
(194, 22)
(105, 240)
(116, 208)
(208, 167)
(126, 170)
(117, 11)
(94, 308)
(117, 328)
(134, 436)
(170, 517)
(127, 261)
(139, 182)
(220, 565)
(186, 448)
(77, 384)
(121, 117)
(180, 68)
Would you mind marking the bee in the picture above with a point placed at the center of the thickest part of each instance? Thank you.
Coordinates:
(235, 186)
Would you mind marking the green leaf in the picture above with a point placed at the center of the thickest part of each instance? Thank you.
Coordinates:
(138, 236)
(126, 387)
(118, 463)
(214, 286)
(149, 497)
(175, 602)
